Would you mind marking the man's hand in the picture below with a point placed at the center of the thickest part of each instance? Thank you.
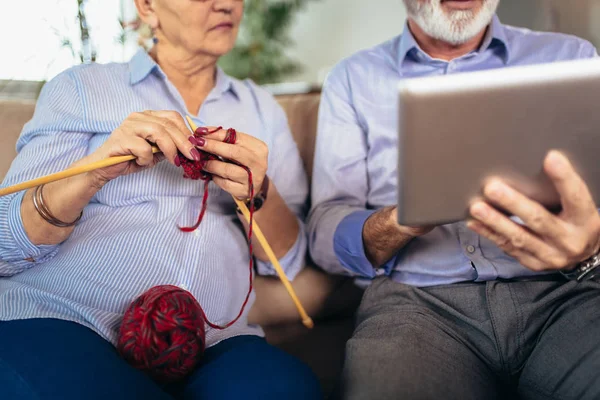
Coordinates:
(547, 241)
(383, 236)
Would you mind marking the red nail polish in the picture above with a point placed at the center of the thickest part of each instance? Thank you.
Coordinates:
(177, 161)
(195, 154)
(202, 131)
(196, 141)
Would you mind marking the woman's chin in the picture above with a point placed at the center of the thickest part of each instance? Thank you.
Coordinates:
(217, 50)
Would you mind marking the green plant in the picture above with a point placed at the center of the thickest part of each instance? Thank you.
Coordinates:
(260, 53)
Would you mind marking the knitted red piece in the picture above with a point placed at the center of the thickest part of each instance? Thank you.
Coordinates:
(163, 331)
(195, 170)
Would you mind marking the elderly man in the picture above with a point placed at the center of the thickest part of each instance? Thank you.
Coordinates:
(472, 310)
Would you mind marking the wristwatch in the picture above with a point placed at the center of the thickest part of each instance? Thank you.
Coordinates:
(260, 197)
(585, 270)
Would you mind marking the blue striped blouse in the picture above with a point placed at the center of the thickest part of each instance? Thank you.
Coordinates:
(127, 240)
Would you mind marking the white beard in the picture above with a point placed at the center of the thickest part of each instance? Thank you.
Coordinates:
(456, 27)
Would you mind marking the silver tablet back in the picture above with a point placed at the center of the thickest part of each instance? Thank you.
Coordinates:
(456, 131)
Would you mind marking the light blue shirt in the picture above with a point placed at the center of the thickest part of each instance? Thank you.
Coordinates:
(128, 240)
(356, 157)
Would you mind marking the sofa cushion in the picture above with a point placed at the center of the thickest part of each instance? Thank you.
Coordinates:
(302, 111)
(13, 115)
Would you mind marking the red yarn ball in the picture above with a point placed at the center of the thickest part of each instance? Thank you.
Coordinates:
(163, 333)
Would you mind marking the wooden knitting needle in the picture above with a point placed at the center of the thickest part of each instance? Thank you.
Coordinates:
(67, 173)
(306, 320)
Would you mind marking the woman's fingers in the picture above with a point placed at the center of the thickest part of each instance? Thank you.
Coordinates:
(228, 151)
(164, 129)
(224, 135)
(228, 171)
(241, 139)
(245, 150)
(136, 135)
(175, 118)
(140, 148)
(235, 189)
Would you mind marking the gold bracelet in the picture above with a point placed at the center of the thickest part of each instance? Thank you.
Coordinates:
(42, 209)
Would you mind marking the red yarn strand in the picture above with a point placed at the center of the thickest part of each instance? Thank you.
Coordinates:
(202, 211)
(194, 170)
(221, 327)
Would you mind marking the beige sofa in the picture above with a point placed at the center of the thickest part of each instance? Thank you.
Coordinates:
(322, 347)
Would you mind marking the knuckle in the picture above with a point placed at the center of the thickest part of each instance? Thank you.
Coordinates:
(234, 152)
(505, 244)
(172, 115)
(143, 156)
(160, 130)
(169, 124)
(229, 170)
(208, 166)
(537, 219)
(518, 241)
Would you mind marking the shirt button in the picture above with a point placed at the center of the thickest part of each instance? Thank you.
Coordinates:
(471, 249)
(197, 233)
(183, 286)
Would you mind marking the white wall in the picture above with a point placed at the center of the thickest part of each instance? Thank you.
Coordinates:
(575, 17)
(329, 30)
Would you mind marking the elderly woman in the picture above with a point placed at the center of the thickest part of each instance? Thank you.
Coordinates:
(107, 236)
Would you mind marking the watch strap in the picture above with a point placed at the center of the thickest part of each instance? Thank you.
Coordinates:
(585, 270)
(259, 197)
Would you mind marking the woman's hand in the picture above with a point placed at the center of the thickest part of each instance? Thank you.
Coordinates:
(135, 136)
(247, 150)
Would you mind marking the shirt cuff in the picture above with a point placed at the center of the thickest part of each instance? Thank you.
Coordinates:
(292, 262)
(21, 245)
(349, 247)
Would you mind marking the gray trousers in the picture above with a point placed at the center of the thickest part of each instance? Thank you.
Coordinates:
(537, 339)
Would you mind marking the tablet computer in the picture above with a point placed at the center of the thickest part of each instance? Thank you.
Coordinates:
(456, 131)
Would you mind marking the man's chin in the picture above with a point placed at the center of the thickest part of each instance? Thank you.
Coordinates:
(457, 36)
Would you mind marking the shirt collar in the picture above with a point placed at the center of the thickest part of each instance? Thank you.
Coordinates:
(141, 65)
(407, 44)
(224, 83)
(495, 36)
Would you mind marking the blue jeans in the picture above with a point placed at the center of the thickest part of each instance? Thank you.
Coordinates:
(54, 359)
